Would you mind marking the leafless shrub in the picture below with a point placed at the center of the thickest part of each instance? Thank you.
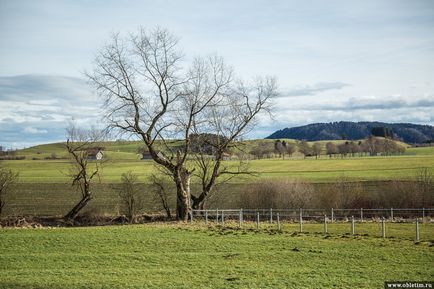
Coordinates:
(7, 179)
(343, 193)
(277, 194)
(130, 195)
(424, 179)
(162, 189)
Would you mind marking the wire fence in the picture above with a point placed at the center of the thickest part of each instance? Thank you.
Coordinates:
(323, 218)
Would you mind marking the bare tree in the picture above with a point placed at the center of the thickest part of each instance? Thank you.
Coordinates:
(280, 148)
(147, 94)
(331, 149)
(130, 195)
(305, 148)
(290, 149)
(81, 144)
(425, 185)
(7, 179)
(161, 190)
(316, 149)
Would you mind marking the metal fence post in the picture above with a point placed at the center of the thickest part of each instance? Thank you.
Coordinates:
(242, 215)
(391, 213)
(301, 220)
(383, 229)
(325, 225)
(361, 214)
(206, 217)
(352, 225)
(278, 221)
(271, 216)
(223, 218)
(257, 220)
(240, 218)
(217, 215)
(333, 215)
(191, 216)
(423, 215)
(417, 229)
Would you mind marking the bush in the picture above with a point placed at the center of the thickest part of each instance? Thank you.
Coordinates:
(279, 194)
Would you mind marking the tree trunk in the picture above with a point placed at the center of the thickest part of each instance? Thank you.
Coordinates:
(183, 204)
(198, 203)
(77, 208)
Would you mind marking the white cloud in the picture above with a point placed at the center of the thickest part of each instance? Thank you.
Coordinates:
(38, 108)
(33, 130)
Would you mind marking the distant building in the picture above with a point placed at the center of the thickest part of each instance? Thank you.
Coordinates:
(95, 154)
(146, 155)
(225, 156)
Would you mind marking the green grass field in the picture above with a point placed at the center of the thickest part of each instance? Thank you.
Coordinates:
(186, 256)
(312, 170)
(44, 186)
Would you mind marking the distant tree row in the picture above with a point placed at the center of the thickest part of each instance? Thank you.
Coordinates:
(372, 146)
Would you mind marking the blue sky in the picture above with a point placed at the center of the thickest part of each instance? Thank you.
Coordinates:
(334, 60)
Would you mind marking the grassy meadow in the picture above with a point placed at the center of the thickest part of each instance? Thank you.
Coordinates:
(44, 185)
(122, 157)
(194, 256)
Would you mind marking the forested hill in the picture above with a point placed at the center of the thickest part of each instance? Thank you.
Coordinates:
(410, 133)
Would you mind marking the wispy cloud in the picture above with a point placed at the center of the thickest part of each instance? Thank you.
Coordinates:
(313, 89)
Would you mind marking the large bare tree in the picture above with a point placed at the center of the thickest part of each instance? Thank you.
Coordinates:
(148, 93)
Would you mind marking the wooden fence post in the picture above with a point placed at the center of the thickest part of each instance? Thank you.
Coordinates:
(271, 216)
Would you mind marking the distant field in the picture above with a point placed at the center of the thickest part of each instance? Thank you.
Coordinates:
(44, 186)
(321, 170)
(172, 256)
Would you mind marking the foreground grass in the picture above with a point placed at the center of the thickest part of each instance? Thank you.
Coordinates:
(185, 256)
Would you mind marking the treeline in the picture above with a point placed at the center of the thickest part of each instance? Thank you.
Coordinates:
(346, 130)
(372, 146)
(6, 155)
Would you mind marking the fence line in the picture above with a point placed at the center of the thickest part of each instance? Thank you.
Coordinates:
(314, 215)
(360, 214)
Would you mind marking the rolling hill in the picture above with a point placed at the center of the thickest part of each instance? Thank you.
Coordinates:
(407, 132)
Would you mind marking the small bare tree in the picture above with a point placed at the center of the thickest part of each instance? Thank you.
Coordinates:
(161, 189)
(81, 145)
(425, 185)
(290, 149)
(316, 149)
(130, 195)
(7, 179)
